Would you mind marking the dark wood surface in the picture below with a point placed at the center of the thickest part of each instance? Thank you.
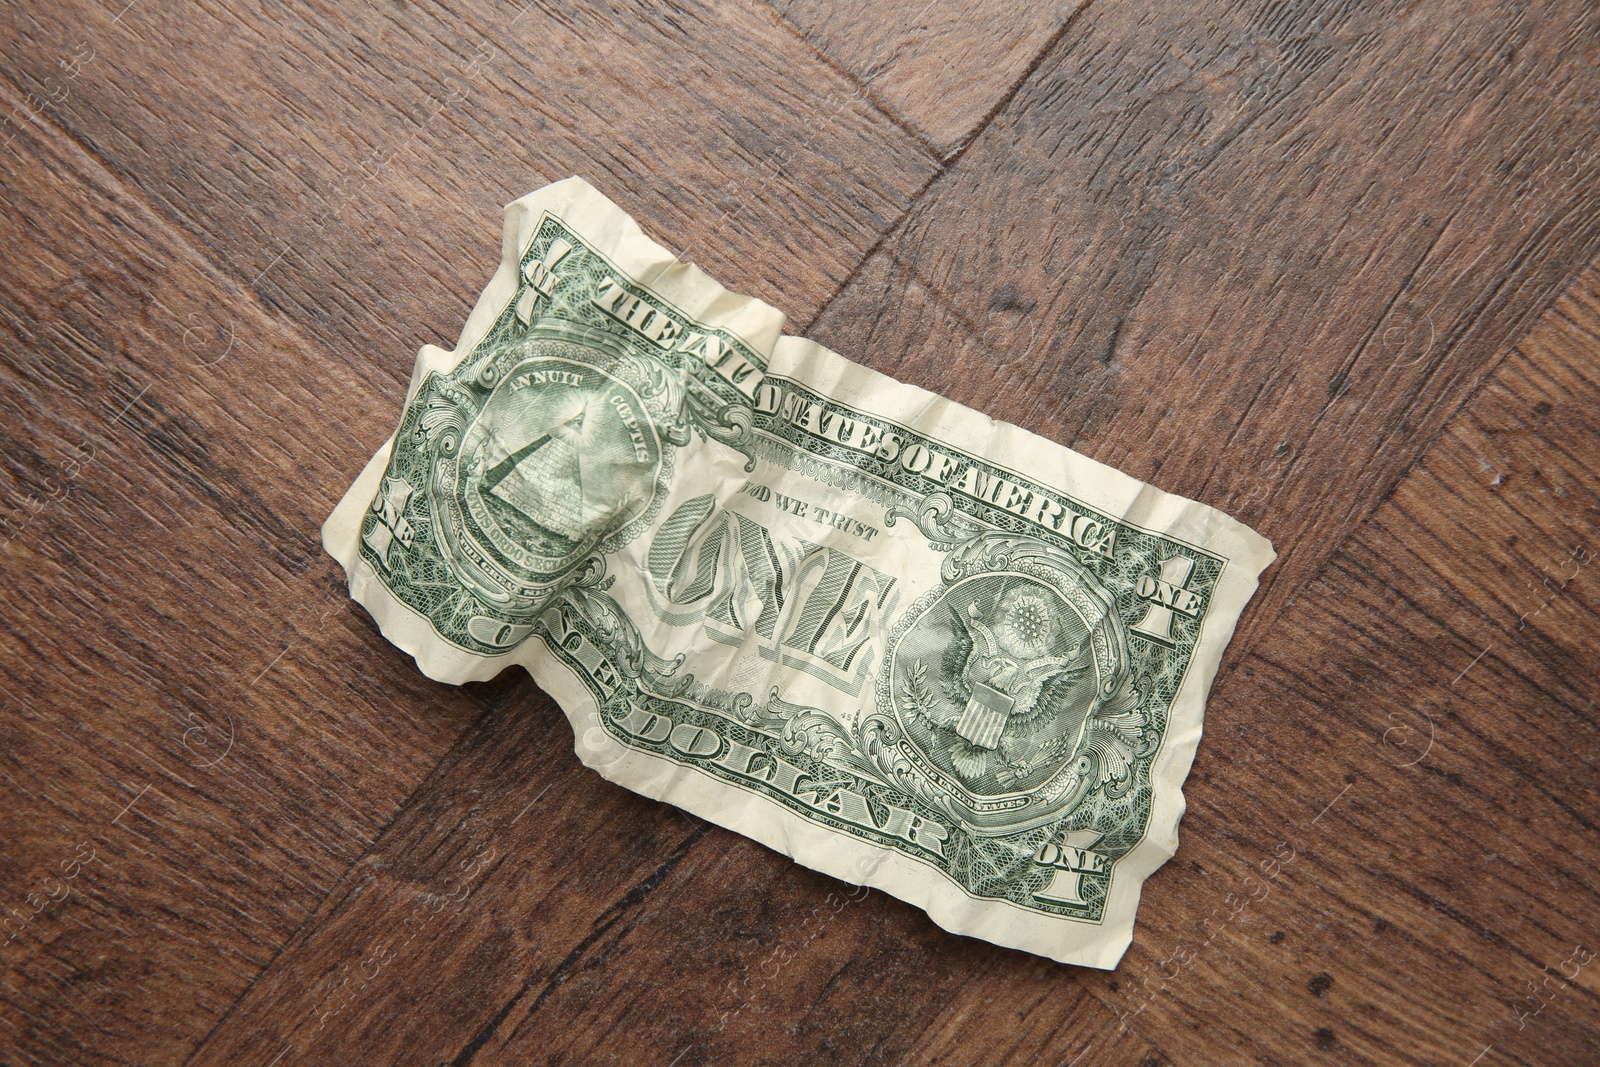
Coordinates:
(1327, 266)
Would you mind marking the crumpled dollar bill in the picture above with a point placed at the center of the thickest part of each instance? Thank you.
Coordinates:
(876, 630)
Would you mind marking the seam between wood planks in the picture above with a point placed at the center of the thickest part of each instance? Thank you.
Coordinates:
(899, 121)
(602, 924)
(315, 917)
(947, 163)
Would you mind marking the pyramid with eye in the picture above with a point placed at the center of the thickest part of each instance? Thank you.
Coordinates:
(544, 480)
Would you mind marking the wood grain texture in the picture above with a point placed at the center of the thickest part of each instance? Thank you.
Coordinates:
(1296, 259)
(352, 166)
(942, 68)
(186, 402)
(166, 720)
(1252, 226)
(1406, 769)
(581, 923)
(1389, 841)
(700, 950)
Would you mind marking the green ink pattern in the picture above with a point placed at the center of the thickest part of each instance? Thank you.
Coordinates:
(1011, 711)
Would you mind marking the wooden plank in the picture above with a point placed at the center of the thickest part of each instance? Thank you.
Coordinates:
(353, 164)
(176, 431)
(1391, 826)
(1205, 245)
(201, 733)
(511, 809)
(578, 922)
(942, 68)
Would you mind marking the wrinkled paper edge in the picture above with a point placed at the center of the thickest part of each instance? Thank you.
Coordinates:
(608, 227)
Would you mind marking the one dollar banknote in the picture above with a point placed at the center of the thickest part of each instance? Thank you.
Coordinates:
(878, 631)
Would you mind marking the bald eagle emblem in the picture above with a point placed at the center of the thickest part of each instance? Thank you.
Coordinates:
(1011, 697)
(1008, 665)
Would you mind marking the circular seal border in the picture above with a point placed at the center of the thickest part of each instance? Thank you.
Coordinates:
(1003, 814)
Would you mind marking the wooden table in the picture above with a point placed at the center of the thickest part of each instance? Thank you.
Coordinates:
(1327, 266)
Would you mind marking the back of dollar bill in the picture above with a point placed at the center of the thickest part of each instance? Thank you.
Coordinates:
(878, 631)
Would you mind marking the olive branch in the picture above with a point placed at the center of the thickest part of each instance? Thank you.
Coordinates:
(918, 694)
